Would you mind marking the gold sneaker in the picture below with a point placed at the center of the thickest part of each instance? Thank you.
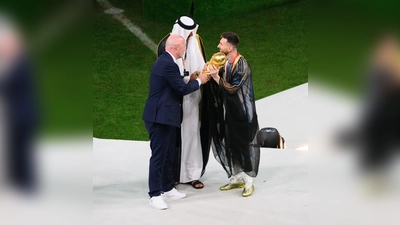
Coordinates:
(249, 191)
(231, 186)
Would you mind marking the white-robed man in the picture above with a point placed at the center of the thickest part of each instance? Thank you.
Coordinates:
(192, 154)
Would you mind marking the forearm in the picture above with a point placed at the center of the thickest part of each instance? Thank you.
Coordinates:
(227, 86)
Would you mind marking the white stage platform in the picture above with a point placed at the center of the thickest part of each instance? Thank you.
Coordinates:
(120, 173)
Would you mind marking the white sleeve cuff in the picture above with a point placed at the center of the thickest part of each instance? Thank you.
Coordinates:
(198, 79)
(186, 79)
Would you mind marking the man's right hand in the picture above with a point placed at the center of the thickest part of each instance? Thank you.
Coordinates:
(204, 77)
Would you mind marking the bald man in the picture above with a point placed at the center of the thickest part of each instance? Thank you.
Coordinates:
(162, 115)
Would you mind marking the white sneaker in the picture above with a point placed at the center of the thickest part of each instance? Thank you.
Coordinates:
(173, 194)
(158, 202)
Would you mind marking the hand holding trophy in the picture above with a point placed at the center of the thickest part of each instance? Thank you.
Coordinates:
(216, 62)
(194, 75)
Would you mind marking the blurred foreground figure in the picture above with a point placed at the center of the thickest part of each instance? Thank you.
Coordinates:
(380, 125)
(19, 116)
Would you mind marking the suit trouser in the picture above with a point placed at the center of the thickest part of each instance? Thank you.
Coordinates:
(21, 158)
(162, 144)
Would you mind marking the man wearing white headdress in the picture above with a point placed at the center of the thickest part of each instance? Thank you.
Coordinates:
(190, 161)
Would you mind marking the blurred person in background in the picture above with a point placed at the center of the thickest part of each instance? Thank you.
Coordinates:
(19, 109)
(380, 125)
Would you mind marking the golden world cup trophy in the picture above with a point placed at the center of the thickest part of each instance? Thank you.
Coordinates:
(218, 60)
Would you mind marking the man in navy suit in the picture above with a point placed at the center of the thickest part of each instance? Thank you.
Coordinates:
(19, 112)
(162, 115)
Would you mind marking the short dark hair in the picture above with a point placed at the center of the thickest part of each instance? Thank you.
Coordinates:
(231, 37)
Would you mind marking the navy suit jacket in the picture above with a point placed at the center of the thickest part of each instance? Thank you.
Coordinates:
(163, 104)
(19, 91)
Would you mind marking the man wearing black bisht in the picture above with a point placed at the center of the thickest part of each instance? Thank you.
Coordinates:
(233, 119)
